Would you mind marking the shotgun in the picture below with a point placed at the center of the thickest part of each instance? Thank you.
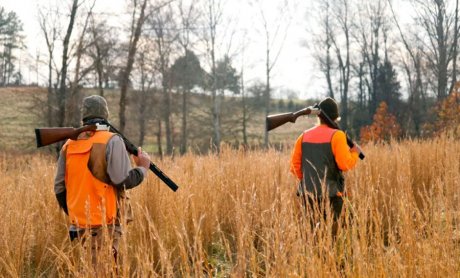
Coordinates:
(274, 121)
(47, 136)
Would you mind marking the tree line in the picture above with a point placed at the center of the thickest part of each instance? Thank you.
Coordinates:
(173, 56)
(367, 56)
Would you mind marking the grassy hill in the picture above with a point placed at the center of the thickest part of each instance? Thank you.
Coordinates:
(18, 117)
(22, 110)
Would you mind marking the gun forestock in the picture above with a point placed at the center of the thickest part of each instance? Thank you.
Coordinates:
(49, 135)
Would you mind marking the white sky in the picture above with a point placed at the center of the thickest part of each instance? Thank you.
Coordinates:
(291, 71)
(294, 70)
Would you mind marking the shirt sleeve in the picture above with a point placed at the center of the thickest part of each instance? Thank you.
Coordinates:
(59, 179)
(119, 167)
(59, 182)
(296, 158)
(345, 158)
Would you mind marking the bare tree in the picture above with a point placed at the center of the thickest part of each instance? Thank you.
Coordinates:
(342, 44)
(274, 32)
(371, 35)
(146, 80)
(323, 44)
(137, 22)
(455, 49)
(62, 94)
(103, 44)
(75, 97)
(334, 50)
(414, 72)
(244, 103)
(441, 29)
(162, 25)
(213, 18)
(49, 25)
(188, 19)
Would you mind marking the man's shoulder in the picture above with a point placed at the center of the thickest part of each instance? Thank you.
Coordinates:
(338, 134)
(115, 136)
(115, 139)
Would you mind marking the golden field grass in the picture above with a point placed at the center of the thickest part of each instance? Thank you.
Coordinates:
(237, 215)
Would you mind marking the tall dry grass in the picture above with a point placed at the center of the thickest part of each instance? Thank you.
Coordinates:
(237, 215)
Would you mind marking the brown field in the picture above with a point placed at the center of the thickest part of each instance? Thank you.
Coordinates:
(237, 215)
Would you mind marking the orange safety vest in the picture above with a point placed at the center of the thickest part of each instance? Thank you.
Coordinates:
(318, 163)
(91, 200)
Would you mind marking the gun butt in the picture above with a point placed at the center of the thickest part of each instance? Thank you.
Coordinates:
(38, 138)
(50, 135)
(274, 121)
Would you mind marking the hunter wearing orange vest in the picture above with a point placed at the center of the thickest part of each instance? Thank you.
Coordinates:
(92, 175)
(320, 155)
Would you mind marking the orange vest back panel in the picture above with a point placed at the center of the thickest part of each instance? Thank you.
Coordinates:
(90, 201)
(319, 168)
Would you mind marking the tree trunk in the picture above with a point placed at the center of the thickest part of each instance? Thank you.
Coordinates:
(49, 98)
(142, 103)
(129, 66)
(99, 70)
(62, 89)
(167, 118)
(159, 135)
(267, 87)
(142, 109)
(455, 50)
(215, 100)
(183, 144)
(245, 109)
(73, 115)
(442, 50)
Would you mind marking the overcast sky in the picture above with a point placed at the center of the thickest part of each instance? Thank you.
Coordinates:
(292, 71)
(295, 68)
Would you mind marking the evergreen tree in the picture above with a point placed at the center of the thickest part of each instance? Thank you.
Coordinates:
(186, 72)
(10, 39)
(226, 76)
(388, 87)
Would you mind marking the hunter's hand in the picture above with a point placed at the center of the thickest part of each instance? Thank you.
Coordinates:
(356, 148)
(142, 159)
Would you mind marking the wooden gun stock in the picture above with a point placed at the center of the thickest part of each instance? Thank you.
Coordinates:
(274, 121)
(50, 135)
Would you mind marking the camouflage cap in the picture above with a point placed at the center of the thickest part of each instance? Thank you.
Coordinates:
(94, 107)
